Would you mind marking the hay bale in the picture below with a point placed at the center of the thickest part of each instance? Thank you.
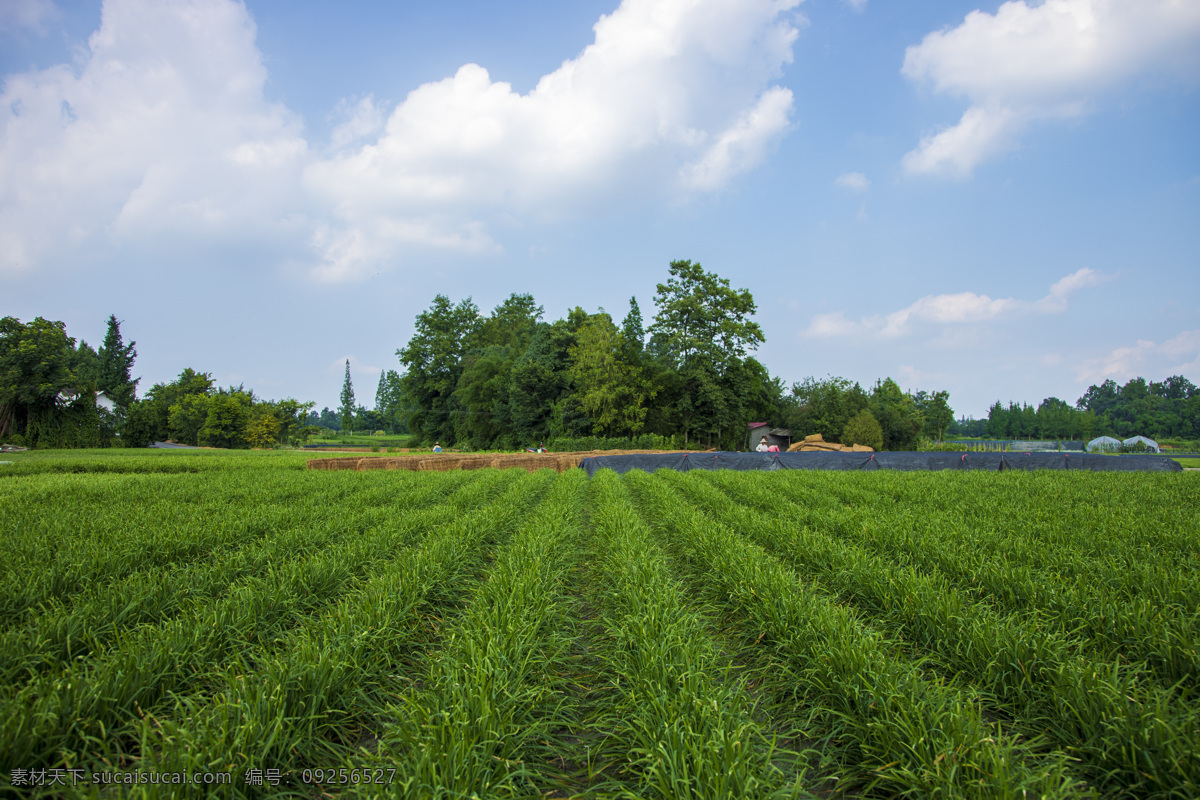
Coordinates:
(445, 462)
(862, 448)
(795, 448)
(814, 437)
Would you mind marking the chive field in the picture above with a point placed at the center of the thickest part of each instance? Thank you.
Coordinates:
(670, 635)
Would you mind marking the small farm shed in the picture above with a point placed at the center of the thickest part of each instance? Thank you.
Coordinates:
(71, 395)
(1103, 444)
(1133, 440)
(780, 437)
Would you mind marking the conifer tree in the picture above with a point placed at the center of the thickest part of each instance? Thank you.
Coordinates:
(347, 408)
(115, 362)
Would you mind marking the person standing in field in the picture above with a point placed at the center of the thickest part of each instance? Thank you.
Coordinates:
(762, 446)
(437, 448)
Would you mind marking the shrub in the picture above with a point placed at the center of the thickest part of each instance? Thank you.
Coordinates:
(863, 428)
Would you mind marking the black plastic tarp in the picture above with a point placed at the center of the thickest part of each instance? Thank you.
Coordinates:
(682, 462)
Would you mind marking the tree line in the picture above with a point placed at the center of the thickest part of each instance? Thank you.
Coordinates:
(54, 393)
(1170, 409)
(49, 385)
(511, 379)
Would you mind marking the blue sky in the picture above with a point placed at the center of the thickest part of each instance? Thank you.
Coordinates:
(999, 200)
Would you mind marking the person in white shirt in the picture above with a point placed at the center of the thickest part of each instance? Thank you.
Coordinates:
(762, 446)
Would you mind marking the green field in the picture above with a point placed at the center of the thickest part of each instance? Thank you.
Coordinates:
(506, 634)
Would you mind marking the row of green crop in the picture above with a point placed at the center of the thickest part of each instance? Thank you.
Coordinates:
(105, 527)
(1144, 607)
(88, 706)
(481, 720)
(1129, 732)
(67, 628)
(293, 704)
(913, 735)
(680, 721)
(497, 634)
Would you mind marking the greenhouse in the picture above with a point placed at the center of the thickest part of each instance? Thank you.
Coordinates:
(1103, 444)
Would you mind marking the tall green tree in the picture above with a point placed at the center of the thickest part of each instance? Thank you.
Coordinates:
(480, 400)
(633, 334)
(897, 414)
(116, 365)
(703, 330)
(156, 416)
(824, 407)
(346, 409)
(36, 362)
(935, 411)
(700, 316)
(389, 401)
(611, 391)
(540, 386)
(433, 361)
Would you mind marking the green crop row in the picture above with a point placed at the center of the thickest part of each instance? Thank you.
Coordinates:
(82, 625)
(915, 735)
(1097, 707)
(479, 724)
(499, 634)
(680, 720)
(81, 709)
(272, 703)
(1144, 612)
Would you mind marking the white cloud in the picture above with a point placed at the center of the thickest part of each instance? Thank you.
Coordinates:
(858, 6)
(360, 120)
(30, 14)
(829, 325)
(161, 131)
(671, 95)
(161, 138)
(1056, 299)
(1177, 356)
(744, 145)
(855, 181)
(1051, 60)
(949, 309)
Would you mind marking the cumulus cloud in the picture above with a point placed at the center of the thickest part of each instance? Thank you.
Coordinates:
(1177, 356)
(358, 120)
(671, 94)
(855, 181)
(948, 310)
(1044, 61)
(29, 14)
(161, 130)
(161, 133)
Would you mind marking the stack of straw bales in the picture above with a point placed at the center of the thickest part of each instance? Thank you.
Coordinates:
(443, 462)
(816, 444)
